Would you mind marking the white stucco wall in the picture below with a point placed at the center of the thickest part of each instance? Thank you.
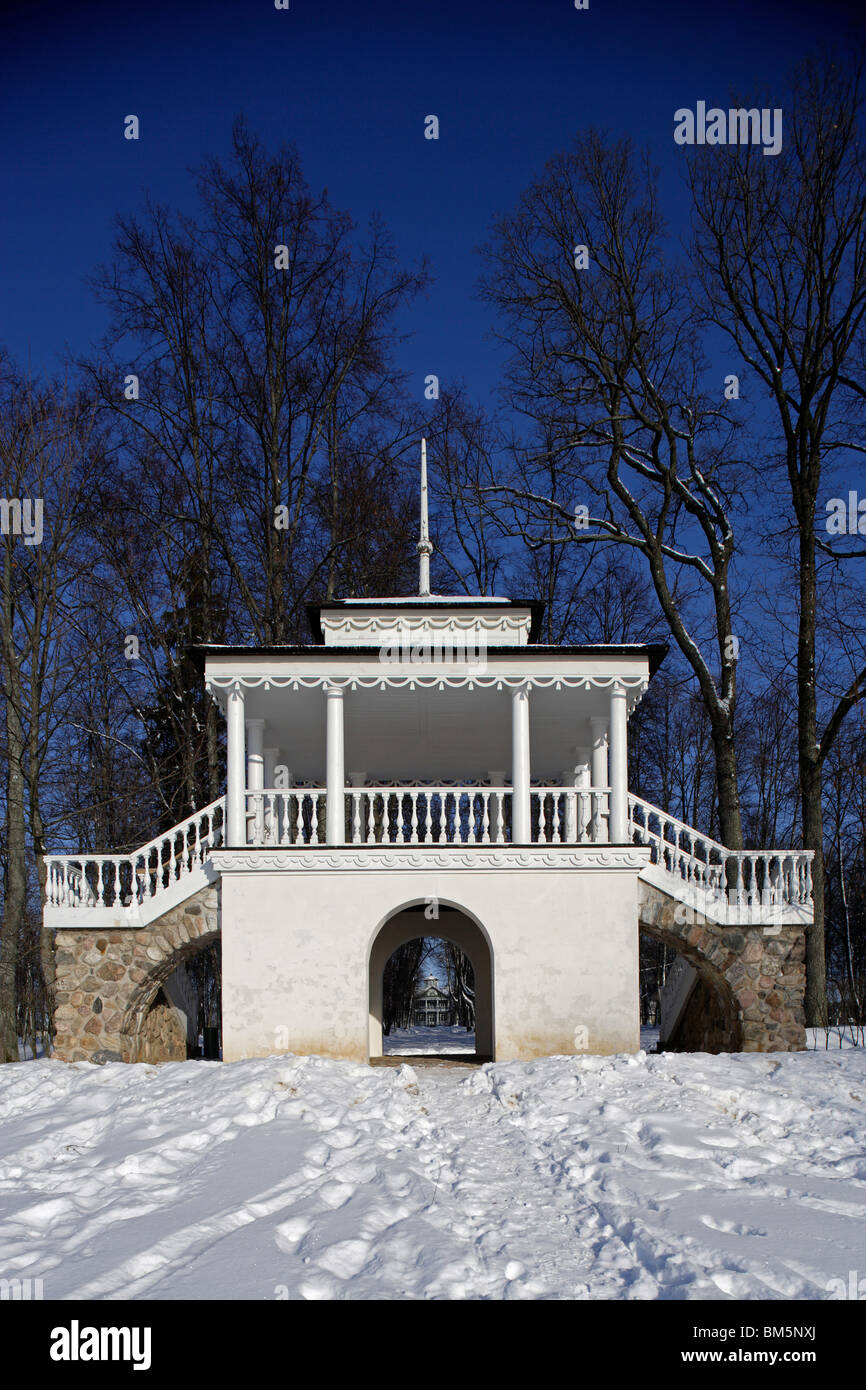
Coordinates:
(296, 946)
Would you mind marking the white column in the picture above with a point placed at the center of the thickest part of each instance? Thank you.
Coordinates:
(497, 808)
(255, 780)
(618, 823)
(568, 777)
(255, 754)
(583, 782)
(599, 725)
(236, 767)
(273, 828)
(271, 758)
(521, 822)
(335, 784)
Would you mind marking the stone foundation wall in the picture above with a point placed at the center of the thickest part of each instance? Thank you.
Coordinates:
(757, 975)
(162, 1037)
(110, 1004)
(107, 983)
(708, 1024)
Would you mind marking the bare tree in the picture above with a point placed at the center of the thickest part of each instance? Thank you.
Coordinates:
(781, 245)
(50, 455)
(606, 364)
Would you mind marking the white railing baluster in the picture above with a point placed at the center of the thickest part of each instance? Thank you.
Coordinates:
(760, 877)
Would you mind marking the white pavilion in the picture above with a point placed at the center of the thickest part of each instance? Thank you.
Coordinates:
(425, 767)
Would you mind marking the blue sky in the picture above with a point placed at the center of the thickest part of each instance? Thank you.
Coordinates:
(350, 85)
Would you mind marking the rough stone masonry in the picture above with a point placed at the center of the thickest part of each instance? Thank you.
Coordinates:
(108, 990)
(110, 1004)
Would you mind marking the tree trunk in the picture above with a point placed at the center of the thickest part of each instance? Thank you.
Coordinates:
(16, 867)
(810, 761)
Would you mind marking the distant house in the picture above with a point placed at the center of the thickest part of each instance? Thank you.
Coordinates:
(432, 1007)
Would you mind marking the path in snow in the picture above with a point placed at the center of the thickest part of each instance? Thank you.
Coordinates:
(626, 1177)
(428, 1042)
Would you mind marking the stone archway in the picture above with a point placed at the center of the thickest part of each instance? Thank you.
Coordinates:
(751, 978)
(452, 924)
(107, 984)
(150, 1031)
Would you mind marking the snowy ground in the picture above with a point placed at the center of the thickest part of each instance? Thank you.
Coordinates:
(628, 1177)
(416, 1042)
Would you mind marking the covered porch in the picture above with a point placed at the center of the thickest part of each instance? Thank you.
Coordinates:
(510, 760)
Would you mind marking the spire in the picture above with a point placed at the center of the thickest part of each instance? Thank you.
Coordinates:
(425, 549)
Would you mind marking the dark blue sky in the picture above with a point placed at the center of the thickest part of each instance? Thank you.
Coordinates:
(350, 84)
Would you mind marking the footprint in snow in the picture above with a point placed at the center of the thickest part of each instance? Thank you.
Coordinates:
(346, 1259)
(730, 1228)
(336, 1194)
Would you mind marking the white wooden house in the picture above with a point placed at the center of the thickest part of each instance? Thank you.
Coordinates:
(431, 1005)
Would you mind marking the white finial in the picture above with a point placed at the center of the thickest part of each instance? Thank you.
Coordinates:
(425, 549)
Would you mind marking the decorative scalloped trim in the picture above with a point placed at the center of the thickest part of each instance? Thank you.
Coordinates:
(400, 857)
(584, 682)
(411, 625)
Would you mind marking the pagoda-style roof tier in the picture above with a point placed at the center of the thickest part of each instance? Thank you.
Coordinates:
(375, 622)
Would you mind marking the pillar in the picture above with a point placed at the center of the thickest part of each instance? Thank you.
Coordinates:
(618, 820)
(271, 758)
(236, 829)
(599, 774)
(521, 823)
(335, 782)
(255, 781)
(583, 782)
(273, 819)
(255, 754)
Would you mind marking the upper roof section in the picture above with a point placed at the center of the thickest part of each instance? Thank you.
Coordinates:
(430, 620)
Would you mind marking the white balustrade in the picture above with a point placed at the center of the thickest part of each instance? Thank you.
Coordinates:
(286, 816)
(569, 815)
(444, 814)
(438, 815)
(121, 880)
(745, 879)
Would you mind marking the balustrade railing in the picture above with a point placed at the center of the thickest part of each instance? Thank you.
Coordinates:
(429, 815)
(754, 879)
(121, 880)
(440, 815)
(569, 815)
(444, 814)
(287, 816)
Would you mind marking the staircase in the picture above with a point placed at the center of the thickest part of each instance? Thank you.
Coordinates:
(726, 886)
(132, 890)
(729, 887)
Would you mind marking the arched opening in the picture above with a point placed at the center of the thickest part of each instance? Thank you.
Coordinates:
(686, 1005)
(176, 1012)
(453, 950)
